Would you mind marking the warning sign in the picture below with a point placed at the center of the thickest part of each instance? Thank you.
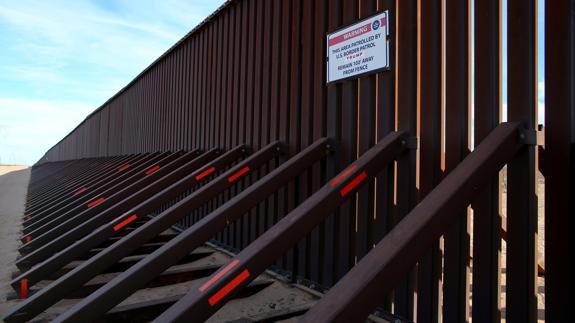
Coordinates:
(359, 49)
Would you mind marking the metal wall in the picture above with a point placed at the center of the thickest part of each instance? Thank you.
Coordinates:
(255, 72)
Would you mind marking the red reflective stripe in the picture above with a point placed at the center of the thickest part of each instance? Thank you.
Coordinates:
(343, 175)
(24, 288)
(83, 189)
(96, 202)
(153, 169)
(206, 173)
(353, 184)
(123, 167)
(238, 174)
(229, 287)
(218, 275)
(125, 222)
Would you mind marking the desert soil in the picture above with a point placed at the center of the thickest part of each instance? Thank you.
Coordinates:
(13, 187)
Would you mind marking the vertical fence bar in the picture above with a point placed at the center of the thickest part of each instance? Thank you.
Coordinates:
(366, 139)
(284, 102)
(217, 93)
(184, 109)
(229, 106)
(521, 179)
(195, 90)
(235, 101)
(486, 218)
(241, 223)
(406, 77)
(457, 98)
(560, 157)
(305, 120)
(347, 153)
(258, 211)
(430, 173)
(294, 114)
(318, 255)
(201, 104)
(247, 104)
(333, 120)
(172, 100)
(385, 115)
(163, 111)
(263, 105)
(225, 109)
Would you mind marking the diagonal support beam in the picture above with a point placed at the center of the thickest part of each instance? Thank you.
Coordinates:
(200, 303)
(355, 295)
(137, 276)
(92, 267)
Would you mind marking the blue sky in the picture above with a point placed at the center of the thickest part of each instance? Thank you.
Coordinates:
(61, 59)
(540, 63)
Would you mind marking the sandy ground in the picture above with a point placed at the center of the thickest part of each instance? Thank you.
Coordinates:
(540, 242)
(13, 186)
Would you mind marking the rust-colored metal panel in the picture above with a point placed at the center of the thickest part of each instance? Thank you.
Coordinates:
(254, 54)
(317, 255)
(195, 89)
(173, 99)
(188, 76)
(430, 173)
(347, 152)
(366, 114)
(283, 108)
(305, 119)
(521, 280)
(219, 91)
(384, 196)
(406, 75)
(333, 117)
(560, 153)
(486, 218)
(274, 104)
(210, 78)
(260, 212)
(293, 118)
(456, 134)
(267, 207)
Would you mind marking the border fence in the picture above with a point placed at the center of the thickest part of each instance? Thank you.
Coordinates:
(404, 189)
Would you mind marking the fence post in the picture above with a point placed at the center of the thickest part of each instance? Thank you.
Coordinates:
(559, 141)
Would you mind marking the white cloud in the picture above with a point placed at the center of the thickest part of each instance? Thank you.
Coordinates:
(61, 59)
(36, 123)
(81, 32)
(540, 112)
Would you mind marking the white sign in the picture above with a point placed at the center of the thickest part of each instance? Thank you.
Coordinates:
(358, 49)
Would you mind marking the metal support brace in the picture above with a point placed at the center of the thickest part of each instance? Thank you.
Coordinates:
(411, 143)
(531, 137)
